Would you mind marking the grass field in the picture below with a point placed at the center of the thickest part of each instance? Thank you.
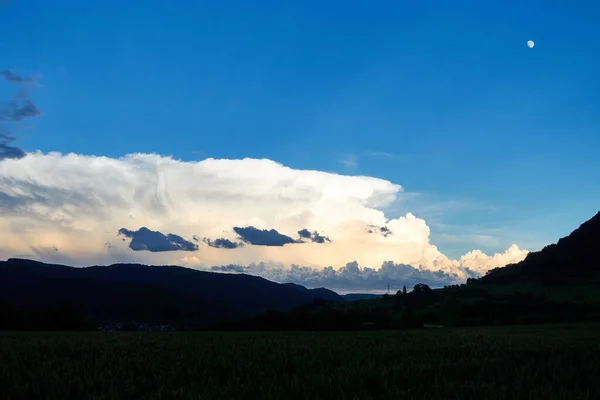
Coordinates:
(544, 362)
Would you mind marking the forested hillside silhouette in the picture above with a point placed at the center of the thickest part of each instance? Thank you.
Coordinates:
(183, 297)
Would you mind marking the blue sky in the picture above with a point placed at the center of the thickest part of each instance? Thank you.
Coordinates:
(498, 140)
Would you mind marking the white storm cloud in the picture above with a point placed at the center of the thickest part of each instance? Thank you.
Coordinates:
(70, 208)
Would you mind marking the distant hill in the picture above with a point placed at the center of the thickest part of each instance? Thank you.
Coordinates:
(574, 257)
(317, 293)
(155, 294)
(360, 296)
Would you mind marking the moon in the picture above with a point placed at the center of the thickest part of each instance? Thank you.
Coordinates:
(530, 44)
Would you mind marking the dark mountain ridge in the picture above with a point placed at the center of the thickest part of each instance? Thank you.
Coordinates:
(572, 257)
(160, 294)
(361, 296)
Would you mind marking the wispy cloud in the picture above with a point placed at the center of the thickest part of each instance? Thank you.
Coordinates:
(436, 210)
(13, 112)
(16, 111)
(387, 155)
(479, 240)
(14, 78)
(349, 161)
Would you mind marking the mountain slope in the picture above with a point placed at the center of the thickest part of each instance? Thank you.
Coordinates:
(147, 293)
(572, 257)
(317, 293)
(361, 296)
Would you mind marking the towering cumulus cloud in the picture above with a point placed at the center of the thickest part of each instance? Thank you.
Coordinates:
(253, 215)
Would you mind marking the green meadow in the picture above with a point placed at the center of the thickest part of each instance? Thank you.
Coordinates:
(533, 362)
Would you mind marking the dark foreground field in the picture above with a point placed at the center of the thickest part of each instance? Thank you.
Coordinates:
(552, 362)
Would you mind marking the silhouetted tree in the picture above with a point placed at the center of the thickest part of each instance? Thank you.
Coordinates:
(421, 288)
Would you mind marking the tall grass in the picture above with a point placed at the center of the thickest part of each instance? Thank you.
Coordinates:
(551, 362)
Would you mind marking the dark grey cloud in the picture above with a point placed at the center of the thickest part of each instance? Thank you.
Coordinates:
(17, 111)
(154, 241)
(304, 233)
(315, 237)
(351, 277)
(8, 151)
(19, 108)
(14, 78)
(223, 243)
(263, 237)
(383, 230)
